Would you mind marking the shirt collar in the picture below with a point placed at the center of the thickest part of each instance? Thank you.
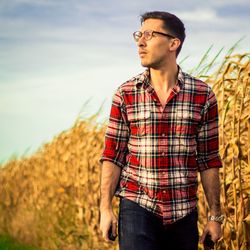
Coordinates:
(144, 78)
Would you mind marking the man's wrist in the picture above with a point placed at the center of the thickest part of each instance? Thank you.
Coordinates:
(104, 208)
(215, 211)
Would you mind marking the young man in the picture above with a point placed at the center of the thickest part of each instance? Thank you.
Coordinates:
(163, 130)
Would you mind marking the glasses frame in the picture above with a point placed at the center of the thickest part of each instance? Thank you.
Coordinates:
(151, 32)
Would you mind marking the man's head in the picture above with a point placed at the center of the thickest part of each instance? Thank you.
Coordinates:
(172, 25)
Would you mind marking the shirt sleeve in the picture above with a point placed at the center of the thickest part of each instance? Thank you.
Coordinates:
(117, 133)
(208, 136)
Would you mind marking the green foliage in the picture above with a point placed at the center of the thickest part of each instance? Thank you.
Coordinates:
(206, 65)
(7, 243)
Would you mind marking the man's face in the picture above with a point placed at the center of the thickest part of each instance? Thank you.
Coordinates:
(154, 53)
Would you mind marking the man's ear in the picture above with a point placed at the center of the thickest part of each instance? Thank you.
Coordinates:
(175, 43)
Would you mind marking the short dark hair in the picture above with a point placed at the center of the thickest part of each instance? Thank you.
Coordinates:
(171, 23)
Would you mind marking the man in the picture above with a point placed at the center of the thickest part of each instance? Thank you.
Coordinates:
(163, 129)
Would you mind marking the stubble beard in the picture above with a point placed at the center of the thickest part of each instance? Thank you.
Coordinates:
(153, 65)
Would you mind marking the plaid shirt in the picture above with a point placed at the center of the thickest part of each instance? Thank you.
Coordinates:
(160, 150)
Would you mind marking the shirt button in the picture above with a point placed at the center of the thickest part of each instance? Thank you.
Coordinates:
(164, 191)
(163, 134)
(163, 153)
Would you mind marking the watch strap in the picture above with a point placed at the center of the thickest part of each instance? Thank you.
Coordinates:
(217, 218)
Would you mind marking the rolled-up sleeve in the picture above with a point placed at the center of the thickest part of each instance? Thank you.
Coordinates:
(208, 136)
(117, 133)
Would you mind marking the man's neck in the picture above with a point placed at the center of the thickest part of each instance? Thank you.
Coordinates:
(164, 79)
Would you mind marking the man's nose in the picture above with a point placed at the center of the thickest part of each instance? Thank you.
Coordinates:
(141, 42)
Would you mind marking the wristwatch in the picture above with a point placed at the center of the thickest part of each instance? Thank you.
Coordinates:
(217, 218)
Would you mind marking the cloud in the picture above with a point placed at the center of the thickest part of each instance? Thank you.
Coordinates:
(199, 15)
(234, 10)
(14, 3)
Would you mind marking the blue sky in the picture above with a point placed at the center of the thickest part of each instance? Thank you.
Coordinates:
(55, 55)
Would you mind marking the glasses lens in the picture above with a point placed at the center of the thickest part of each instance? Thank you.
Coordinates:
(137, 35)
(147, 34)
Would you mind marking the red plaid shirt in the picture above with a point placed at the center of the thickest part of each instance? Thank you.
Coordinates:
(160, 150)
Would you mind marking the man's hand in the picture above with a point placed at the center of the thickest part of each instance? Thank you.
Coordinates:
(211, 185)
(109, 181)
(214, 229)
(108, 219)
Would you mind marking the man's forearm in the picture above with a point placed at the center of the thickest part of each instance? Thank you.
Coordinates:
(211, 185)
(109, 179)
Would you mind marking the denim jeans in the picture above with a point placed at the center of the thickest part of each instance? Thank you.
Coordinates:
(139, 229)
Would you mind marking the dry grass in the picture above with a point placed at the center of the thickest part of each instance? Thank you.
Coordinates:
(232, 87)
(51, 198)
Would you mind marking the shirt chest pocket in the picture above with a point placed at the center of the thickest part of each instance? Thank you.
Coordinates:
(139, 121)
(186, 121)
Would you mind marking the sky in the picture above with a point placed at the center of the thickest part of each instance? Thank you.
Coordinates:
(60, 59)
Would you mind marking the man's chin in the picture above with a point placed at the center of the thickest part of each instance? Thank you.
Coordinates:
(150, 65)
(144, 64)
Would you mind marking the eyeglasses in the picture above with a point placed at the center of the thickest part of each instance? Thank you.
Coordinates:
(148, 34)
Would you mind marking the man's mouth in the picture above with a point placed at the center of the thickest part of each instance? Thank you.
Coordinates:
(142, 53)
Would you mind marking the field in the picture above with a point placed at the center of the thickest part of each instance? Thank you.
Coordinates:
(50, 199)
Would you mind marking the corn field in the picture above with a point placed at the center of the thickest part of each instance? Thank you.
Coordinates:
(51, 198)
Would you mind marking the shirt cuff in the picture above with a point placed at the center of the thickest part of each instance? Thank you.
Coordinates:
(118, 159)
(206, 163)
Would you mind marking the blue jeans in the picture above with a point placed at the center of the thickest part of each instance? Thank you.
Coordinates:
(139, 229)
